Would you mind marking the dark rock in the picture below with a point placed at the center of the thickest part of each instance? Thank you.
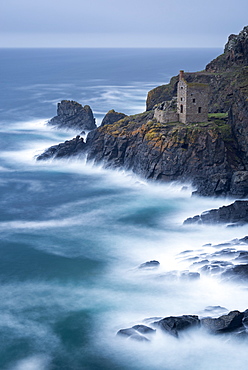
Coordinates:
(238, 272)
(245, 319)
(143, 329)
(224, 323)
(73, 115)
(233, 213)
(187, 275)
(244, 240)
(200, 263)
(69, 148)
(150, 264)
(127, 332)
(235, 53)
(173, 325)
(139, 338)
(111, 117)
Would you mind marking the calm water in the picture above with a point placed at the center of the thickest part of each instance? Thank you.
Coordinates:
(73, 235)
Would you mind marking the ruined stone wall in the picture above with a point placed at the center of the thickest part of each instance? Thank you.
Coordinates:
(165, 116)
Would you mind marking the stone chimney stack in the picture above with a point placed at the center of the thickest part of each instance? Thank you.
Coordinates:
(181, 75)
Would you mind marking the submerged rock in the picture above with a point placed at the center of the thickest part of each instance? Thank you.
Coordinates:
(149, 264)
(137, 332)
(73, 115)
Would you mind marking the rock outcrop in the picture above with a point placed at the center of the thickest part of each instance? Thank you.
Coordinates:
(235, 213)
(73, 115)
(213, 156)
(233, 323)
(67, 149)
(111, 117)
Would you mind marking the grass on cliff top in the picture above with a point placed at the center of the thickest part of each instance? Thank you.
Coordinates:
(217, 115)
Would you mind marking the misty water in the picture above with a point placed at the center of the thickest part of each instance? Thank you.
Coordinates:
(74, 234)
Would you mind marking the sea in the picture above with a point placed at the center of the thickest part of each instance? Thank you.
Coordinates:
(73, 234)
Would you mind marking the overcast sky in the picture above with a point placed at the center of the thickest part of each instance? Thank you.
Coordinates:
(120, 23)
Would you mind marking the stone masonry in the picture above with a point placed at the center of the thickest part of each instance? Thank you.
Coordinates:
(190, 105)
(192, 101)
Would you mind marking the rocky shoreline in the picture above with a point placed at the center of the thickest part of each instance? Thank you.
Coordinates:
(229, 263)
(233, 323)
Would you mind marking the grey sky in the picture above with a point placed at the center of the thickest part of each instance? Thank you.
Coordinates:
(120, 23)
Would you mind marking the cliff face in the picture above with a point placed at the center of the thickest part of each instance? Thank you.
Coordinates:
(206, 153)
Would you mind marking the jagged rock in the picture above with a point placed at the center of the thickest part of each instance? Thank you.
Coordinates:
(73, 115)
(173, 325)
(150, 264)
(237, 273)
(236, 212)
(224, 323)
(111, 117)
(69, 148)
(235, 53)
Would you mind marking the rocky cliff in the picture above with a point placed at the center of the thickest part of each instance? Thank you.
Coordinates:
(213, 155)
(73, 115)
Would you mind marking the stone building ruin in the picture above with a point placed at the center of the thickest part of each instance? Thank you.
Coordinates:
(190, 105)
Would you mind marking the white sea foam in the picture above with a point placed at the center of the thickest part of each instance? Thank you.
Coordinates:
(36, 362)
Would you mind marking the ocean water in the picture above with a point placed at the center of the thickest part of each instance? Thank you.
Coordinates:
(74, 234)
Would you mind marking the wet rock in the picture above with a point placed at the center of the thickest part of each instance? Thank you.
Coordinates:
(200, 263)
(139, 338)
(173, 325)
(136, 333)
(238, 272)
(127, 332)
(150, 264)
(224, 323)
(143, 329)
(242, 257)
(186, 252)
(69, 148)
(235, 213)
(245, 319)
(188, 275)
(73, 115)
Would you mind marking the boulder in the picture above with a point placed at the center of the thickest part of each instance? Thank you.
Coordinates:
(73, 115)
(173, 325)
(224, 323)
